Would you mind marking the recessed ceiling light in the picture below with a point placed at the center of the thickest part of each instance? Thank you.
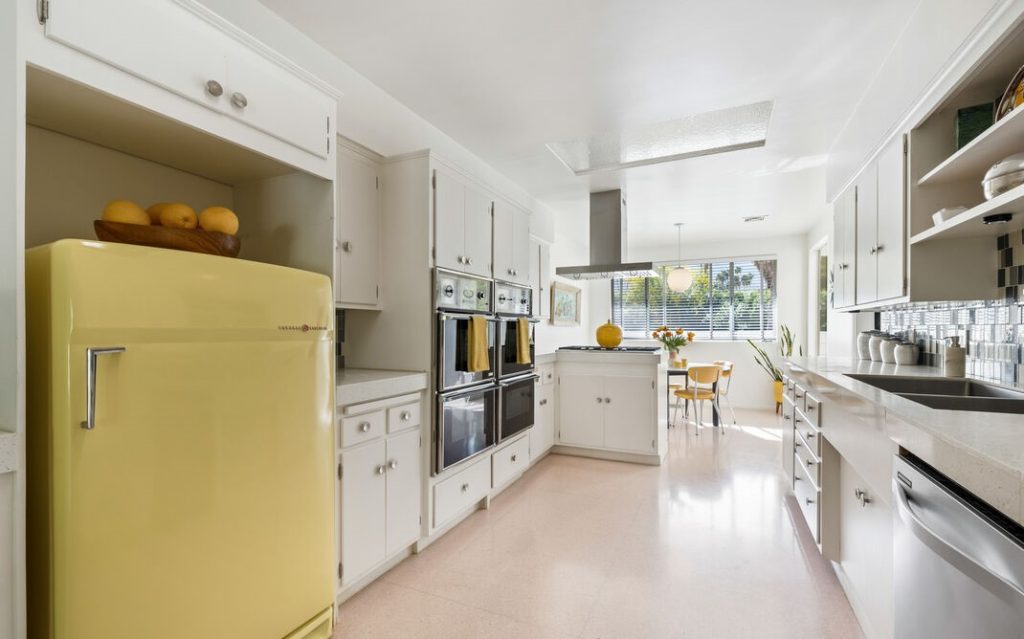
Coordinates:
(755, 218)
(732, 129)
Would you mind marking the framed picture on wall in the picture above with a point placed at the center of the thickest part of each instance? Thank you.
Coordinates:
(565, 304)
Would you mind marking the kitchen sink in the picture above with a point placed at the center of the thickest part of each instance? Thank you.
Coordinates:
(946, 393)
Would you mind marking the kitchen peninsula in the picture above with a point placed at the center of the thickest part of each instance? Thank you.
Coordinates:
(608, 404)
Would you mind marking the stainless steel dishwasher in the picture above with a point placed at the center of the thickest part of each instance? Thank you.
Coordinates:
(959, 564)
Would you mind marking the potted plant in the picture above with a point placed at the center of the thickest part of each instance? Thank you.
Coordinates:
(673, 339)
(765, 362)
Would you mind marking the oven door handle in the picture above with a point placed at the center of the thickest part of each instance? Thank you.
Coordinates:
(464, 392)
(958, 558)
(524, 378)
(463, 316)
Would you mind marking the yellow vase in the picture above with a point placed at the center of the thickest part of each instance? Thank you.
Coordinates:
(778, 396)
(609, 335)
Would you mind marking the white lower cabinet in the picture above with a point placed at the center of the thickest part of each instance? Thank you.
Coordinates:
(865, 551)
(788, 439)
(510, 462)
(614, 412)
(461, 490)
(380, 479)
(542, 435)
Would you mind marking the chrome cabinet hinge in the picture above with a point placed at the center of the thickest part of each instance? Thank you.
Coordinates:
(44, 11)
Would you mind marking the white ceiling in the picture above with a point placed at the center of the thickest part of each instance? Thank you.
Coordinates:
(504, 78)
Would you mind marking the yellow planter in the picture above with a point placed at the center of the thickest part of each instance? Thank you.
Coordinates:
(778, 396)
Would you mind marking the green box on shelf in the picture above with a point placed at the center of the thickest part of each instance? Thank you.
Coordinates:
(972, 121)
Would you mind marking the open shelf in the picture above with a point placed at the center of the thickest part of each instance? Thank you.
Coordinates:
(1000, 140)
(969, 223)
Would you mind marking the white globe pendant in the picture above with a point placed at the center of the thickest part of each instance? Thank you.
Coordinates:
(680, 279)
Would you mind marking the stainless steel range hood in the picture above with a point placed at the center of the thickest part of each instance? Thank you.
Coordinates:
(607, 243)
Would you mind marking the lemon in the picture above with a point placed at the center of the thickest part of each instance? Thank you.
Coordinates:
(219, 219)
(126, 212)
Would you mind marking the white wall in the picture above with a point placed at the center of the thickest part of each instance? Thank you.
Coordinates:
(569, 249)
(751, 386)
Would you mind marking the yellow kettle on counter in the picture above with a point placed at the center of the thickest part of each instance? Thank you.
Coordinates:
(609, 335)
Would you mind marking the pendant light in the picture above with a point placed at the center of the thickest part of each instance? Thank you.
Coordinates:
(680, 278)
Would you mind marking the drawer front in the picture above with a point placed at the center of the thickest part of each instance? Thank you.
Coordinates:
(807, 497)
(806, 458)
(547, 374)
(799, 393)
(403, 417)
(812, 410)
(807, 431)
(509, 462)
(461, 490)
(361, 428)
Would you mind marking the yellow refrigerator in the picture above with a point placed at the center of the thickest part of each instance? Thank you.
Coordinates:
(180, 471)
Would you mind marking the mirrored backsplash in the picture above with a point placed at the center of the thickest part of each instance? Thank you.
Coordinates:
(992, 331)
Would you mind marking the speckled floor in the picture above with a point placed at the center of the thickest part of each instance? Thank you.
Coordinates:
(704, 546)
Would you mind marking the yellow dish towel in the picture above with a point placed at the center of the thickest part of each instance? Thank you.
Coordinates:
(522, 341)
(479, 354)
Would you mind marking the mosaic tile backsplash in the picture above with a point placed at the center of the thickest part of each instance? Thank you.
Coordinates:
(992, 330)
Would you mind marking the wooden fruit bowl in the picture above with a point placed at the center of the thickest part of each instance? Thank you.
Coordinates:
(195, 240)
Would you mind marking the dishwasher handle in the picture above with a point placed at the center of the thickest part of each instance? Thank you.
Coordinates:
(962, 560)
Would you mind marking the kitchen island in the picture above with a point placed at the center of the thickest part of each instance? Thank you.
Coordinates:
(608, 405)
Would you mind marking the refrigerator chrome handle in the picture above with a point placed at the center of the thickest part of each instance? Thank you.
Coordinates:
(91, 354)
(962, 560)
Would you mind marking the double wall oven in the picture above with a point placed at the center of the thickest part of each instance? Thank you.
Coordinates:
(478, 408)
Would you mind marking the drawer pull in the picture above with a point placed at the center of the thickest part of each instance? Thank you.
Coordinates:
(862, 497)
(808, 501)
(406, 416)
(364, 427)
(607, 400)
(214, 88)
(543, 402)
(786, 417)
(599, 400)
(810, 435)
(465, 487)
(811, 407)
(797, 478)
(810, 462)
(239, 100)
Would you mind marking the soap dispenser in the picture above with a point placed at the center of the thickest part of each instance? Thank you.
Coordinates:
(954, 362)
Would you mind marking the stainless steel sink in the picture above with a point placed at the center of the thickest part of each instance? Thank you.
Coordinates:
(946, 393)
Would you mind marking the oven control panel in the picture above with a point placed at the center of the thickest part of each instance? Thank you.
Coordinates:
(456, 292)
(513, 300)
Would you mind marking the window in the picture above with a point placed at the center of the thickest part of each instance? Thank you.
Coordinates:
(729, 300)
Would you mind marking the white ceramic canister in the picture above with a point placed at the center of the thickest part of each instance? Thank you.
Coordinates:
(875, 345)
(954, 361)
(907, 354)
(863, 344)
(888, 350)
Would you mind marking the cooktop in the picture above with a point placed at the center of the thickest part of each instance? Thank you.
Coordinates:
(621, 349)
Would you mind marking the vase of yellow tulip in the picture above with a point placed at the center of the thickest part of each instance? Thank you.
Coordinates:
(673, 339)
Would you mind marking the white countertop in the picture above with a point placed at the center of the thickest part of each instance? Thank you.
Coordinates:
(357, 385)
(983, 451)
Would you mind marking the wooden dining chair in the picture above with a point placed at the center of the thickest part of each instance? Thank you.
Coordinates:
(724, 386)
(703, 381)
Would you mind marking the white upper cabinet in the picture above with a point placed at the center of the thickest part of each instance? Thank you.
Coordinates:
(462, 225)
(867, 235)
(357, 265)
(173, 46)
(892, 221)
(511, 243)
(844, 246)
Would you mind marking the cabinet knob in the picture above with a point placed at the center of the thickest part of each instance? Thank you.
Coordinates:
(239, 100)
(379, 470)
(514, 458)
(607, 400)
(879, 248)
(810, 462)
(543, 402)
(465, 487)
(469, 260)
(599, 400)
(406, 415)
(808, 501)
(346, 246)
(393, 464)
(214, 88)
(364, 427)
(810, 435)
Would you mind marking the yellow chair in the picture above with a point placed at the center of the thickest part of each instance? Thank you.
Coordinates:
(723, 387)
(703, 381)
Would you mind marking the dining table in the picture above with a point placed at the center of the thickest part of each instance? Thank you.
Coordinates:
(672, 371)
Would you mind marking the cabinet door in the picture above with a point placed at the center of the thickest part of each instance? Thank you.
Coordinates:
(629, 413)
(267, 97)
(581, 410)
(357, 263)
(403, 490)
(158, 41)
(788, 440)
(850, 248)
(449, 221)
(838, 251)
(504, 241)
(544, 298)
(521, 247)
(542, 435)
(362, 510)
(479, 207)
(892, 226)
(867, 235)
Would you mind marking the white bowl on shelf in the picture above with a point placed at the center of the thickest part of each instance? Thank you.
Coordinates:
(948, 213)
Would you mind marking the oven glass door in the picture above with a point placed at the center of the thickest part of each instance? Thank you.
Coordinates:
(508, 343)
(516, 406)
(466, 425)
(453, 352)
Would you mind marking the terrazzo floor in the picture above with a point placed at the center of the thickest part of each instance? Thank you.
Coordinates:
(704, 546)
